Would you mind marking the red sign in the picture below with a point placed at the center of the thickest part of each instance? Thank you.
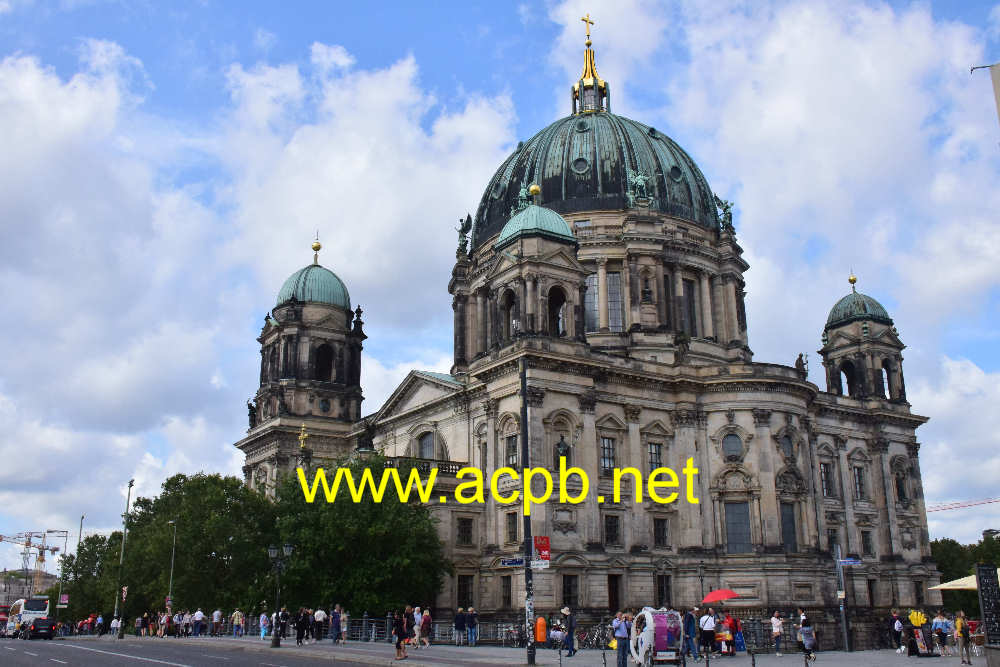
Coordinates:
(542, 547)
(64, 598)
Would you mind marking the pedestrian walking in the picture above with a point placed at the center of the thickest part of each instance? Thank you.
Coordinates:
(345, 620)
(199, 620)
(216, 623)
(963, 638)
(237, 621)
(301, 625)
(776, 627)
(690, 626)
(425, 628)
(808, 639)
(263, 621)
(707, 626)
(335, 624)
(399, 631)
(321, 619)
(896, 630)
(622, 630)
(459, 626)
(570, 631)
(472, 626)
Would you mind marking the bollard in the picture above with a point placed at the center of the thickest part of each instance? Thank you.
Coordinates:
(388, 627)
(364, 627)
(753, 658)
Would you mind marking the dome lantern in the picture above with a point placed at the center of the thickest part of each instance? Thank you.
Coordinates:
(590, 93)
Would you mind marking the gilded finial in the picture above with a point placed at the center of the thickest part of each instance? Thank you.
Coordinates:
(590, 92)
(316, 246)
(302, 436)
(534, 190)
(586, 20)
(852, 279)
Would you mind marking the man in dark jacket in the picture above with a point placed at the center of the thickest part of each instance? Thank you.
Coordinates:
(459, 626)
(691, 633)
(570, 631)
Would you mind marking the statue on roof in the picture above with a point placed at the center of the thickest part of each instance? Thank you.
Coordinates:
(463, 235)
(725, 213)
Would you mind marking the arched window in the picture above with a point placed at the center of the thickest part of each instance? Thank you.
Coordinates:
(732, 447)
(509, 321)
(901, 494)
(425, 446)
(557, 308)
(787, 449)
(887, 379)
(850, 378)
(324, 362)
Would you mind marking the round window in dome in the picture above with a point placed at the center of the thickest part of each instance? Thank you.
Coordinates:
(675, 173)
(580, 165)
(582, 125)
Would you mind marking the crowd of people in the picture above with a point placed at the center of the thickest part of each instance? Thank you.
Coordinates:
(413, 627)
(949, 632)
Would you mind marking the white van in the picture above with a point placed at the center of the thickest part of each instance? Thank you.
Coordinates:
(25, 611)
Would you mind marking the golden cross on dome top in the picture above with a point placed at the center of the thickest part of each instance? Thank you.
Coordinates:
(302, 436)
(586, 20)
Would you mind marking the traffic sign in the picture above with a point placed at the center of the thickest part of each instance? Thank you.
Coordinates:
(841, 595)
(539, 564)
(511, 562)
(849, 562)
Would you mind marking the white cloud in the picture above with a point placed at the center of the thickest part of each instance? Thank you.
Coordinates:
(380, 380)
(264, 40)
(327, 57)
(993, 23)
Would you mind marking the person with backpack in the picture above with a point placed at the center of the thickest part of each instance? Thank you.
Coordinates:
(808, 639)
(963, 638)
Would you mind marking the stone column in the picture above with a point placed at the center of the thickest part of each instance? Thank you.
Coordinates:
(602, 294)
(730, 290)
(531, 305)
(482, 326)
(679, 292)
(660, 294)
(852, 541)
(458, 305)
(719, 311)
(708, 330)
(892, 537)
(767, 462)
(578, 308)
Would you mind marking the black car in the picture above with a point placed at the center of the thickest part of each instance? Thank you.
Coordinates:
(40, 627)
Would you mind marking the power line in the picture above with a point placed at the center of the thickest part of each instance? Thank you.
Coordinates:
(961, 504)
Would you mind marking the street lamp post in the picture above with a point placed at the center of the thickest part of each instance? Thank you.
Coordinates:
(170, 586)
(62, 563)
(121, 559)
(529, 589)
(701, 577)
(279, 564)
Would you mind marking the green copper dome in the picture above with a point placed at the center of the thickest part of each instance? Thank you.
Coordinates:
(857, 306)
(315, 284)
(535, 220)
(598, 162)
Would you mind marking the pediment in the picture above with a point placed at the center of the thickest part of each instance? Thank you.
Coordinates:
(888, 337)
(656, 427)
(564, 259)
(417, 388)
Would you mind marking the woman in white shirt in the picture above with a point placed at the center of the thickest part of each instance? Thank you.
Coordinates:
(776, 624)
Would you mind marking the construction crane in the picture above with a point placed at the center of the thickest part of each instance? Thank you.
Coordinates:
(962, 504)
(32, 541)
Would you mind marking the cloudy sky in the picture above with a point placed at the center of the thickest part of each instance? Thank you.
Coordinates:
(165, 166)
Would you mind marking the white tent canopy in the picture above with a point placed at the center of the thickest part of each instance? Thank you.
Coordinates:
(964, 584)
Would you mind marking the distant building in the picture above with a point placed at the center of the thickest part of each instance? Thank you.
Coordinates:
(13, 585)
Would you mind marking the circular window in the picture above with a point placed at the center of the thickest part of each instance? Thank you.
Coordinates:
(580, 165)
(732, 447)
(582, 125)
(324, 405)
(675, 173)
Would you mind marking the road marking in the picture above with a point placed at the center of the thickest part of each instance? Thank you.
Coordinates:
(9, 648)
(31, 654)
(123, 655)
(217, 657)
(61, 662)
(271, 664)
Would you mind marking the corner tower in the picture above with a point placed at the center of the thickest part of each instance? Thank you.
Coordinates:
(310, 376)
(862, 352)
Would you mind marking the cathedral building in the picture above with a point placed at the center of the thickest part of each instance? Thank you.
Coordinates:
(600, 258)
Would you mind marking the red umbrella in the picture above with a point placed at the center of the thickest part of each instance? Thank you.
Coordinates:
(719, 595)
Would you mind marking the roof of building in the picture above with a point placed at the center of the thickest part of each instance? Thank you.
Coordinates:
(443, 377)
(315, 284)
(535, 220)
(857, 306)
(595, 162)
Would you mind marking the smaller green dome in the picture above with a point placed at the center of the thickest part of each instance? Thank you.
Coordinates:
(857, 306)
(535, 220)
(315, 284)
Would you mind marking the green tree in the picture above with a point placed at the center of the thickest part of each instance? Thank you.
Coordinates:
(366, 556)
(91, 576)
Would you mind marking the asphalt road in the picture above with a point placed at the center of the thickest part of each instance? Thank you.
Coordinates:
(157, 652)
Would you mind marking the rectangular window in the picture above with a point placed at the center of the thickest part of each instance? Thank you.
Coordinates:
(738, 528)
(607, 456)
(918, 592)
(663, 590)
(612, 529)
(464, 532)
(867, 544)
(872, 592)
(660, 533)
(832, 538)
(668, 296)
(860, 492)
(655, 455)
(592, 317)
(511, 527)
(615, 319)
(788, 537)
(614, 592)
(506, 592)
(510, 451)
(826, 479)
(689, 311)
(570, 591)
(465, 590)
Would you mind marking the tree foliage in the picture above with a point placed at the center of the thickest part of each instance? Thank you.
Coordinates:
(955, 561)
(365, 556)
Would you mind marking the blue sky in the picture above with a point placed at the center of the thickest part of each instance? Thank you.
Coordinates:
(167, 164)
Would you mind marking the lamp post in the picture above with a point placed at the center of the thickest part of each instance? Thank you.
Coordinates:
(701, 577)
(170, 586)
(62, 563)
(529, 590)
(279, 563)
(121, 559)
